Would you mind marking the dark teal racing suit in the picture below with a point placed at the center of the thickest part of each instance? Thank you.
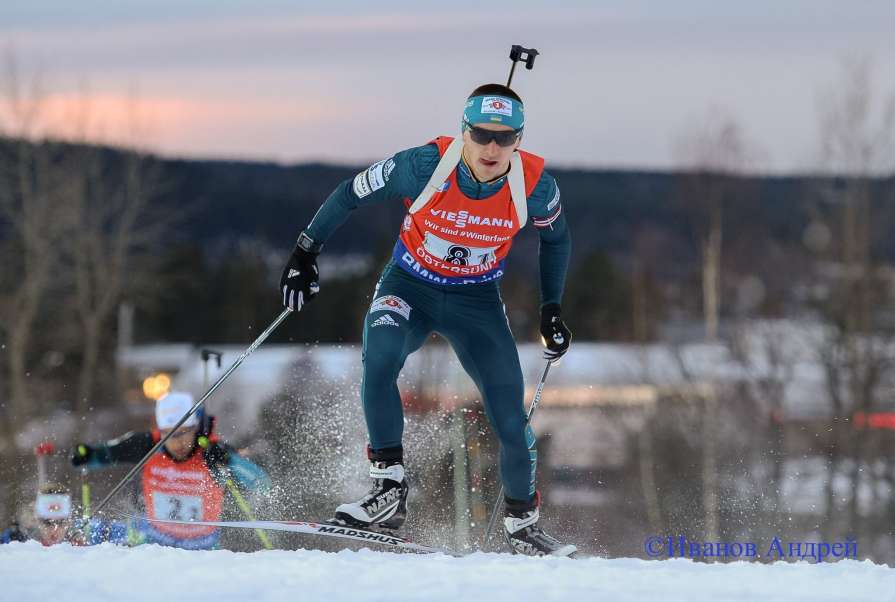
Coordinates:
(471, 317)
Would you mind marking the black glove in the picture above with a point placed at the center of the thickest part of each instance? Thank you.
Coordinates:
(299, 282)
(554, 333)
(81, 455)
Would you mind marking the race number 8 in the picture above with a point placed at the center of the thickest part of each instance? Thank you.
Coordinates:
(458, 255)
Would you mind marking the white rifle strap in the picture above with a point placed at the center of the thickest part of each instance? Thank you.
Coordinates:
(517, 188)
(448, 162)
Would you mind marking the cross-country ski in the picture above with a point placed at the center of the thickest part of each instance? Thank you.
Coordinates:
(378, 538)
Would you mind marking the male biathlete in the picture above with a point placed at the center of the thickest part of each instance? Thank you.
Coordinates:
(466, 199)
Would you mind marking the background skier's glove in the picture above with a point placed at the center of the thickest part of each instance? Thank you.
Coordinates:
(81, 455)
(554, 333)
(299, 282)
(14, 533)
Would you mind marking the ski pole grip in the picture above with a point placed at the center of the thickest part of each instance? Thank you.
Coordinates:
(208, 354)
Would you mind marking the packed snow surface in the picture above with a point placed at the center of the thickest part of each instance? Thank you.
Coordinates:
(29, 571)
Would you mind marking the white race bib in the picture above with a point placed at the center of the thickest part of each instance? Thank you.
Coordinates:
(177, 507)
(457, 254)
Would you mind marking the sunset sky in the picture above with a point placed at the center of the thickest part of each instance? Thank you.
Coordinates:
(614, 86)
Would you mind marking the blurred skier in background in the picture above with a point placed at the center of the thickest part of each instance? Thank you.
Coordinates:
(185, 480)
(55, 523)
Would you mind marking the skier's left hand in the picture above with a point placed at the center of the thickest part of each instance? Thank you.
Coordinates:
(554, 333)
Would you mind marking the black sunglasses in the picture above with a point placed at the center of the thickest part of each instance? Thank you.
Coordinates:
(501, 137)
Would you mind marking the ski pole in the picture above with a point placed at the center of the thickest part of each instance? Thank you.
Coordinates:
(209, 354)
(531, 410)
(85, 494)
(47, 448)
(44, 449)
(195, 407)
(247, 512)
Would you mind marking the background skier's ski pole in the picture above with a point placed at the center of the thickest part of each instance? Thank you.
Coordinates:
(85, 493)
(195, 407)
(209, 354)
(43, 450)
(247, 512)
(531, 411)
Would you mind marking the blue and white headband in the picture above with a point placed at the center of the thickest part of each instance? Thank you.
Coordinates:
(494, 109)
(52, 506)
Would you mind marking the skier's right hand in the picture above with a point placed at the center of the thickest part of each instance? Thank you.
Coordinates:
(300, 280)
(81, 455)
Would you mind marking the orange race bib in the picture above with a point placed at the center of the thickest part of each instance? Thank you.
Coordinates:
(181, 491)
(454, 239)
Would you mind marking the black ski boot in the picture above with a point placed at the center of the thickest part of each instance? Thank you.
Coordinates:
(385, 505)
(524, 535)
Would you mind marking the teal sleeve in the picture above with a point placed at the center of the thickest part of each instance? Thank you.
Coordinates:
(546, 215)
(400, 177)
(247, 474)
(129, 448)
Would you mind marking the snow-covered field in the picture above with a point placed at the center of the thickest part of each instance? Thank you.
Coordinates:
(31, 572)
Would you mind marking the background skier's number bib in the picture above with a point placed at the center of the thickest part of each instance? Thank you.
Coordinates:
(177, 507)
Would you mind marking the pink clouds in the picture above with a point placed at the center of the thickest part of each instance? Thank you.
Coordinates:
(164, 123)
(338, 83)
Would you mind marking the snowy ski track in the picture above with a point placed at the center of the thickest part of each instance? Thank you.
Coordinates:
(31, 572)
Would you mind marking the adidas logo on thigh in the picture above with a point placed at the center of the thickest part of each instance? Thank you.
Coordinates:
(385, 320)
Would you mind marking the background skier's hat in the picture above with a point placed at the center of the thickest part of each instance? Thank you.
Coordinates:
(53, 503)
(171, 408)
